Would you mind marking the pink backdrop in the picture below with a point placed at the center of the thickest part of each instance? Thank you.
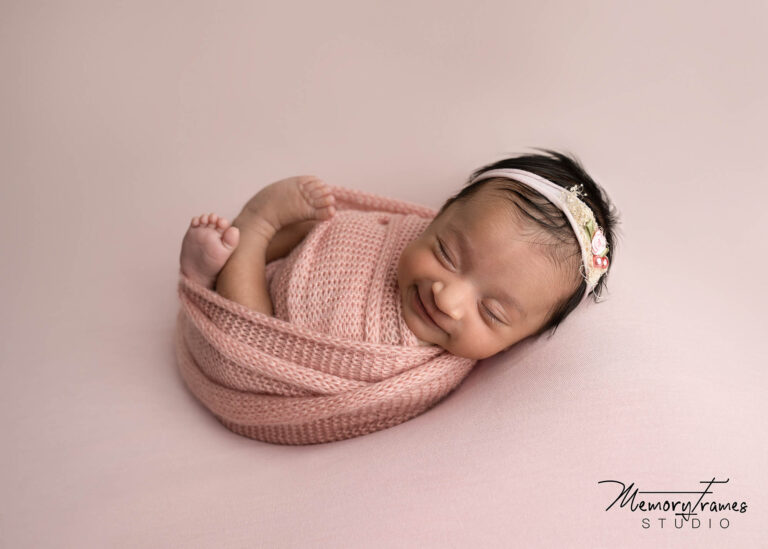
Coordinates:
(120, 121)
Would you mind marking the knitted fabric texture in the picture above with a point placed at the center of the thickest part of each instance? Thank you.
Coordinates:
(337, 360)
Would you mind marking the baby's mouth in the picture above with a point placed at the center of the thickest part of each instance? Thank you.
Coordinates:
(422, 310)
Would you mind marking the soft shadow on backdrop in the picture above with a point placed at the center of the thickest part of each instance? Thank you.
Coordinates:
(122, 121)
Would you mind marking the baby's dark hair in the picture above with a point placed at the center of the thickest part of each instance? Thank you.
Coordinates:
(551, 225)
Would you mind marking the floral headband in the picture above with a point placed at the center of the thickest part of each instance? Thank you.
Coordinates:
(594, 247)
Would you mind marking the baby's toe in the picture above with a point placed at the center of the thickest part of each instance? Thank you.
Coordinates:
(326, 212)
(319, 195)
(231, 237)
(324, 201)
(316, 187)
(212, 219)
(309, 184)
(222, 224)
(320, 192)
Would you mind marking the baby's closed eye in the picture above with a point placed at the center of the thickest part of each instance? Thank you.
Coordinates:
(443, 252)
(492, 316)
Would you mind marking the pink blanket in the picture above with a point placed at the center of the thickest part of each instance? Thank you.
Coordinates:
(337, 360)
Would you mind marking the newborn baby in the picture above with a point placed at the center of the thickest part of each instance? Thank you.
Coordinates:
(499, 263)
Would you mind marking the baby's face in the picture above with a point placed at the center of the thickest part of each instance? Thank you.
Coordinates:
(483, 284)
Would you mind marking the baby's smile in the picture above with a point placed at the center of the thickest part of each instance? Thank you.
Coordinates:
(424, 313)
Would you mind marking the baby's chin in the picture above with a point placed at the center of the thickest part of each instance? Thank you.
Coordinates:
(422, 342)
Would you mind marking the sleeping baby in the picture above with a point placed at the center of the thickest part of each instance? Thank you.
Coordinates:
(508, 257)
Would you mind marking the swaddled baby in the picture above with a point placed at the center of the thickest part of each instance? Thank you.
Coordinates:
(509, 256)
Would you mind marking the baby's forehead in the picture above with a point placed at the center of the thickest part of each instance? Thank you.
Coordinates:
(495, 229)
(488, 211)
(496, 237)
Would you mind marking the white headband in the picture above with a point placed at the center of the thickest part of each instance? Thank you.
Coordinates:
(591, 239)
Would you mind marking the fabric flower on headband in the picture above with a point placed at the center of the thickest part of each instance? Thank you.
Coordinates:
(599, 247)
(593, 241)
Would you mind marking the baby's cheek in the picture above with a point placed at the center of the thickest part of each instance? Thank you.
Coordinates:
(424, 260)
(466, 343)
(405, 263)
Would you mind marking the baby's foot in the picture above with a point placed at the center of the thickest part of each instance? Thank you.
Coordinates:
(209, 242)
(289, 201)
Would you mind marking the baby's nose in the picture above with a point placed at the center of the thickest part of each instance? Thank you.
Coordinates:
(448, 301)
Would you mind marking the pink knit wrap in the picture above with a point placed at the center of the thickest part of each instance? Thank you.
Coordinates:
(337, 360)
